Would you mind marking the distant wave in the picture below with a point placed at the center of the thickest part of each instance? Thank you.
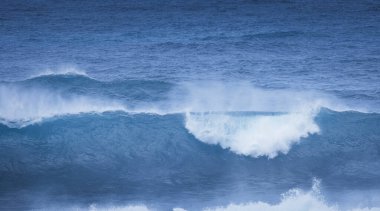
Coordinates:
(60, 71)
(254, 36)
(94, 207)
(275, 34)
(45, 96)
(20, 107)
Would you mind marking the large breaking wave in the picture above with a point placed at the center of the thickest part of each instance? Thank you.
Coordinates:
(237, 116)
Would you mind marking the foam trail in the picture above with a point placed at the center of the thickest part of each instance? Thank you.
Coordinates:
(20, 107)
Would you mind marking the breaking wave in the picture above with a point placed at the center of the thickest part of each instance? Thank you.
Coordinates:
(64, 70)
(160, 141)
(237, 116)
(254, 135)
(295, 199)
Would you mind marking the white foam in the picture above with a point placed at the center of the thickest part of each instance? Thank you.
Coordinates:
(295, 200)
(63, 70)
(93, 207)
(208, 117)
(243, 96)
(25, 106)
(252, 135)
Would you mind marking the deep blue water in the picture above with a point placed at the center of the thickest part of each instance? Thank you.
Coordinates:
(191, 104)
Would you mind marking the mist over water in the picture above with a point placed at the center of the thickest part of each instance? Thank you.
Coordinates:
(196, 105)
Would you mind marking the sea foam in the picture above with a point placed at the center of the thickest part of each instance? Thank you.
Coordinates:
(258, 135)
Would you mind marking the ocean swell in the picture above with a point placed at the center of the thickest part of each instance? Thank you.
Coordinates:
(237, 116)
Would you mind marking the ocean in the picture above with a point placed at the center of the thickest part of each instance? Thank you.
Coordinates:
(190, 105)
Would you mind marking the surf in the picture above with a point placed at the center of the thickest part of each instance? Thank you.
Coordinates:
(238, 117)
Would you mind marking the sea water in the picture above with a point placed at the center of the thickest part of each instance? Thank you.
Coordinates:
(189, 105)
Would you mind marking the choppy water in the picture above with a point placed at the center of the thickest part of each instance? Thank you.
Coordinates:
(136, 105)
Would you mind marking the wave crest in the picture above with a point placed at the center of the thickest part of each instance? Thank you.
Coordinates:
(259, 134)
(20, 106)
(66, 70)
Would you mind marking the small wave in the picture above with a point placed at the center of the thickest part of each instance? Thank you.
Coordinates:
(294, 199)
(94, 207)
(61, 71)
(276, 34)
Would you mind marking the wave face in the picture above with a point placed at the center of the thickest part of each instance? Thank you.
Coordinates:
(155, 143)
